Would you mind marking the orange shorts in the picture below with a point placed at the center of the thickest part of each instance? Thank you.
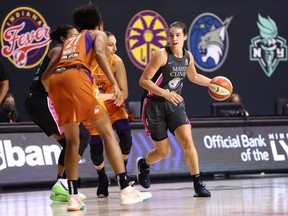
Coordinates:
(115, 113)
(73, 96)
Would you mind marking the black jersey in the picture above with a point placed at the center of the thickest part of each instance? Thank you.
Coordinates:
(170, 76)
(37, 87)
(3, 71)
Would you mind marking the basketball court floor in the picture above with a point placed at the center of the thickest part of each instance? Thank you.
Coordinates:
(243, 195)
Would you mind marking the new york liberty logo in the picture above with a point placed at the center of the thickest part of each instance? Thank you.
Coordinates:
(268, 48)
(25, 37)
(208, 41)
(146, 33)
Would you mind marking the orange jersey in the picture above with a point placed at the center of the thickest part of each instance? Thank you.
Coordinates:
(72, 89)
(78, 50)
(103, 83)
(104, 86)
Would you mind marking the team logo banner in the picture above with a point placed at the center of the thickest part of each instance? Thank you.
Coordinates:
(268, 48)
(25, 37)
(146, 33)
(208, 41)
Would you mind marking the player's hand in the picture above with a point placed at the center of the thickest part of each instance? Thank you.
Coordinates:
(105, 97)
(173, 97)
(117, 95)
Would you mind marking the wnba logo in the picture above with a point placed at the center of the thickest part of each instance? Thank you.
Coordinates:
(208, 41)
(146, 33)
(25, 37)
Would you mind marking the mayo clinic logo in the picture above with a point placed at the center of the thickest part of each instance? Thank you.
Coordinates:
(25, 37)
(208, 41)
(146, 33)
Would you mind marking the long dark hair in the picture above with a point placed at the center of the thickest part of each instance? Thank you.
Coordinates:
(61, 31)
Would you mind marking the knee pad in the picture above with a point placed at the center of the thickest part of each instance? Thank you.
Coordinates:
(84, 138)
(96, 150)
(125, 141)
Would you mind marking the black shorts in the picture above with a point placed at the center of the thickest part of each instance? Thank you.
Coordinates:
(41, 112)
(159, 116)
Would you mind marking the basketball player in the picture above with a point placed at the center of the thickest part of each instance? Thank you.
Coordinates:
(70, 87)
(41, 111)
(164, 107)
(117, 114)
(4, 80)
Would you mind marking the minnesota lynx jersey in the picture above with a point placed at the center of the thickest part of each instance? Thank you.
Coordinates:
(170, 77)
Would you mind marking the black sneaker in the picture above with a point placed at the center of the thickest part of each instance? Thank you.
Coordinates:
(131, 182)
(143, 171)
(103, 183)
(200, 190)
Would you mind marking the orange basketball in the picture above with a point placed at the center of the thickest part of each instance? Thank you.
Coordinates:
(220, 88)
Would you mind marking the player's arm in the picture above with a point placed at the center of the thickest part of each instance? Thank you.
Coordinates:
(4, 87)
(121, 76)
(100, 44)
(54, 56)
(158, 60)
(195, 77)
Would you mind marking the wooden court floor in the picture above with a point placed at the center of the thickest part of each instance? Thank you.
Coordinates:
(257, 195)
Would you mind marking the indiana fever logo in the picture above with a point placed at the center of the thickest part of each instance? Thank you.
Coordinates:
(146, 33)
(208, 41)
(25, 36)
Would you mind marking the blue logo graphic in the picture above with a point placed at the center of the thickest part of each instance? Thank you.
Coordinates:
(208, 41)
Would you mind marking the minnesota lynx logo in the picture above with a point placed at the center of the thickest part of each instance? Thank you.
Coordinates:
(268, 48)
(25, 37)
(208, 41)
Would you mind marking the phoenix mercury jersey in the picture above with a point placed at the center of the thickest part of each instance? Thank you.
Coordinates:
(103, 83)
(170, 76)
(78, 50)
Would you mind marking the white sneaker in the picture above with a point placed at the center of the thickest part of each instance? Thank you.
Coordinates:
(61, 188)
(75, 203)
(130, 195)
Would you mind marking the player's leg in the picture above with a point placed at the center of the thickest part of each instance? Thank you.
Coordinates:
(184, 136)
(160, 152)
(122, 128)
(97, 157)
(71, 131)
(154, 120)
(128, 194)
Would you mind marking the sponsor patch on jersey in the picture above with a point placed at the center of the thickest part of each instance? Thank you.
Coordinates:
(147, 31)
(25, 37)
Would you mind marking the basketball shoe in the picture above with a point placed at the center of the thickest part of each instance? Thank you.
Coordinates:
(130, 195)
(103, 184)
(61, 192)
(200, 190)
(143, 171)
(75, 203)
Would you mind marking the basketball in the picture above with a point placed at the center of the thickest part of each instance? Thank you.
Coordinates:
(220, 88)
